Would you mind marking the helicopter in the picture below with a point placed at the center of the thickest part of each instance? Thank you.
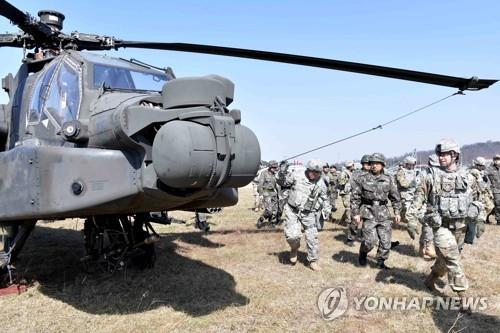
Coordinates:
(112, 140)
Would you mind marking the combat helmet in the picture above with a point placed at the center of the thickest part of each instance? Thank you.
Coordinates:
(314, 165)
(496, 157)
(377, 157)
(272, 164)
(447, 145)
(410, 160)
(480, 161)
(349, 164)
(365, 159)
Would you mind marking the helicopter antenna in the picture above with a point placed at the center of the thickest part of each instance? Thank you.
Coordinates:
(381, 126)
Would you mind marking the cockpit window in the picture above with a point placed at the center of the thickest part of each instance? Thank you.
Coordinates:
(40, 94)
(124, 78)
(57, 94)
(63, 101)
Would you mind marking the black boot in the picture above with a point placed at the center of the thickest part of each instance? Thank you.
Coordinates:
(394, 244)
(381, 264)
(260, 222)
(362, 258)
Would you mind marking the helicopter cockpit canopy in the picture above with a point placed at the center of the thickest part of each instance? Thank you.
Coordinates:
(57, 93)
(121, 74)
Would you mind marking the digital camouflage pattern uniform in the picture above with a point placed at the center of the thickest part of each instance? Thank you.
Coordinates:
(352, 228)
(334, 182)
(485, 194)
(448, 196)
(370, 196)
(493, 174)
(406, 180)
(257, 204)
(305, 200)
(344, 186)
(269, 191)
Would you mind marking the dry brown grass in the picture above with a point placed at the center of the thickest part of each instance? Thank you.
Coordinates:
(234, 279)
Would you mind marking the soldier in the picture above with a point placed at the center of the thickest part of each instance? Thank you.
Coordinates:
(352, 228)
(257, 204)
(426, 249)
(269, 192)
(345, 190)
(485, 192)
(325, 176)
(448, 192)
(282, 192)
(307, 197)
(334, 182)
(371, 193)
(406, 181)
(493, 174)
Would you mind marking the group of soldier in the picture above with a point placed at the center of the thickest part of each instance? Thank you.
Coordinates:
(451, 204)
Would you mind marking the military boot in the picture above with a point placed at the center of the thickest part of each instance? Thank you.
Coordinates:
(381, 264)
(362, 260)
(294, 249)
(394, 244)
(260, 222)
(315, 266)
(429, 251)
(430, 281)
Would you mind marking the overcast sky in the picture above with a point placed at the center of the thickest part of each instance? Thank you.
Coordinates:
(295, 108)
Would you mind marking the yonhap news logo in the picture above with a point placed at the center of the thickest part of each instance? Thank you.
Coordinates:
(333, 302)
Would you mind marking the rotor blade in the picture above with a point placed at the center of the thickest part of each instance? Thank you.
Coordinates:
(403, 74)
(24, 21)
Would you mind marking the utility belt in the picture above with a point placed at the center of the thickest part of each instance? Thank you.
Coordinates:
(369, 202)
(453, 224)
(295, 210)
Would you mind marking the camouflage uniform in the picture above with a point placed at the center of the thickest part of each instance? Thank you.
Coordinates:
(485, 194)
(370, 196)
(334, 182)
(344, 186)
(352, 229)
(406, 180)
(493, 174)
(305, 200)
(256, 196)
(269, 191)
(449, 197)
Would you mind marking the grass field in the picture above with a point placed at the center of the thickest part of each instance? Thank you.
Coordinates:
(236, 278)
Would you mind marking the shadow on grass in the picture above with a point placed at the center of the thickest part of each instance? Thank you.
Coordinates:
(455, 321)
(52, 258)
(284, 257)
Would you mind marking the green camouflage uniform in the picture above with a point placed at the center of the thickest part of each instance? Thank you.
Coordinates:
(344, 186)
(352, 228)
(370, 196)
(269, 191)
(493, 174)
(334, 182)
(305, 200)
(449, 196)
(255, 187)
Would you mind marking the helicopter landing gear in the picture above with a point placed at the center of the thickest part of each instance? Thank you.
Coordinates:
(12, 239)
(111, 242)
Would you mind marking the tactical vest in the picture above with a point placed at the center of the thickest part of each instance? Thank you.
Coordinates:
(269, 182)
(452, 193)
(304, 194)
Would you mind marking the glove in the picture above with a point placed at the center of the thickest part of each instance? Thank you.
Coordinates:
(412, 231)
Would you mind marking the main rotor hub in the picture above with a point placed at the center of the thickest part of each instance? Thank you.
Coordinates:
(52, 18)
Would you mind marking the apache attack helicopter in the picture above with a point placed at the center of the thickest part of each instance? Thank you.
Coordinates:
(112, 140)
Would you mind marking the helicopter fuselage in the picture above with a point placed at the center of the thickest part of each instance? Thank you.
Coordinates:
(87, 135)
